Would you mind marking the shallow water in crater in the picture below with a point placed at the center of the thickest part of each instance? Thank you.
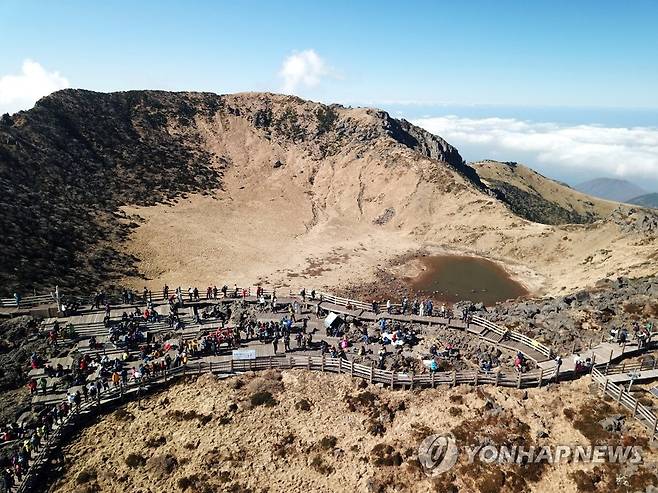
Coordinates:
(453, 278)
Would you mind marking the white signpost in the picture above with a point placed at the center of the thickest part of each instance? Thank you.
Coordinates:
(634, 375)
(243, 354)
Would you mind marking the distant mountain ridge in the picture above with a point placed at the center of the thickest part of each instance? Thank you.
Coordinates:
(646, 200)
(611, 189)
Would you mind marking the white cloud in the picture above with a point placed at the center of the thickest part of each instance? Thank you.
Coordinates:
(21, 91)
(619, 151)
(303, 69)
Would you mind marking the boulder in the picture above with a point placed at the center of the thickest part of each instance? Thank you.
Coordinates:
(613, 423)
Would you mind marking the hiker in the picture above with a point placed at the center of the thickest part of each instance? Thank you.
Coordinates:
(558, 364)
(302, 293)
(519, 363)
(275, 343)
(388, 306)
(165, 292)
(17, 300)
(286, 342)
(224, 290)
(381, 357)
(43, 383)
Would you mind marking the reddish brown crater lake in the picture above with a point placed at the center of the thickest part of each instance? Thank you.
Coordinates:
(453, 278)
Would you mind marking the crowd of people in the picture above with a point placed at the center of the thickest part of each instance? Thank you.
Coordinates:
(141, 358)
(640, 334)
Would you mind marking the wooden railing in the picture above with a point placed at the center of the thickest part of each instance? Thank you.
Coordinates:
(28, 301)
(639, 411)
(311, 363)
(628, 367)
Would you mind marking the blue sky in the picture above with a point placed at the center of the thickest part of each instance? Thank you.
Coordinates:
(563, 62)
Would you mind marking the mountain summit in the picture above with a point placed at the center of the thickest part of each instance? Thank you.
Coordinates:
(611, 189)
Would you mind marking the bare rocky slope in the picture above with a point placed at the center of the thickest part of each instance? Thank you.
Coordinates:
(67, 165)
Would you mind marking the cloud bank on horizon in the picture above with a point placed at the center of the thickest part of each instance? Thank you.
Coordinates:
(624, 152)
(21, 91)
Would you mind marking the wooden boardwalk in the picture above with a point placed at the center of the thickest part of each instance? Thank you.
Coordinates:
(607, 375)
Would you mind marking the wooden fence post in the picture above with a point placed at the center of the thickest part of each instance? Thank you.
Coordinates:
(322, 363)
(635, 407)
(497, 377)
(351, 368)
(270, 362)
(623, 347)
(392, 380)
(518, 380)
(433, 373)
(340, 365)
(605, 388)
(199, 366)
(372, 371)
(621, 390)
(231, 364)
(655, 426)
(210, 366)
(454, 377)
(308, 363)
(475, 380)
(573, 347)
(541, 377)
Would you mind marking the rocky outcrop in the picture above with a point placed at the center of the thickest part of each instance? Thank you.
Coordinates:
(635, 220)
(431, 146)
(582, 316)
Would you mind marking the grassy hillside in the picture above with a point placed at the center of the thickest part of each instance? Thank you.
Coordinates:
(540, 199)
(69, 163)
